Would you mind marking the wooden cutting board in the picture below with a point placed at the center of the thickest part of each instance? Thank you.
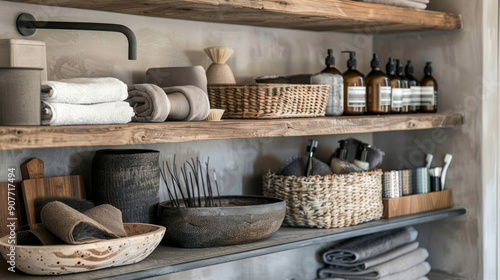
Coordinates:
(7, 216)
(33, 189)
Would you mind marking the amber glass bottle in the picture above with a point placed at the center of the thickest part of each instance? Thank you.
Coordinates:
(354, 88)
(395, 83)
(378, 91)
(429, 89)
(405, 88)
(330, 64)
(415, 89)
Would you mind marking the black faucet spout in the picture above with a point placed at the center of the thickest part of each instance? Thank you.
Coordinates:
(27, 25)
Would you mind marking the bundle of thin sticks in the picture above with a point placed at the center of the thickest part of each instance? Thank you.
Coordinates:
(196, 183)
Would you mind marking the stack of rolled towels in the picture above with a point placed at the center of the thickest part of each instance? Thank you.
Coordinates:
(390, 255)
(415, 4)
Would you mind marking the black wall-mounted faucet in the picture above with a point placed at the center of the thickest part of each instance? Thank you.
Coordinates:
(26, 25)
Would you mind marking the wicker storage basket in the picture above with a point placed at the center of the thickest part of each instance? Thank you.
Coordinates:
(329, 201)
(269, 101)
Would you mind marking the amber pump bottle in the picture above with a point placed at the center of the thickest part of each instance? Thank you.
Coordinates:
(378, 91)
(395, 83)
(415, 89)
(330, 64)
(354, 88)
(429, 90)
(405, 88)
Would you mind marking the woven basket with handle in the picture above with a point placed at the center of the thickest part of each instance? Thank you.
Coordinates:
(269, 101)
(328, 201)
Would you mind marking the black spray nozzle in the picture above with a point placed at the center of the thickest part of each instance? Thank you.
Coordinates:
(400, 69)
(330, 59)
(351, 63)
(428, 69)
(409, 68)
(375, 63)
(390, 67)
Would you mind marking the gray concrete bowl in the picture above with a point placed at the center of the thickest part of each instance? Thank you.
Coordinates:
(241, 219)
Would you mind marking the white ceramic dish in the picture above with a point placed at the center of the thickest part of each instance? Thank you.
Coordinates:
(64, 259)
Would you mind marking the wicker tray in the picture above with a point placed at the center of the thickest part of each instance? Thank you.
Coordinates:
(269, 101)
(329, 201)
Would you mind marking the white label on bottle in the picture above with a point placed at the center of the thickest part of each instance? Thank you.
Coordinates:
(406, 96)
(397, 98)
(427, 96)
(385, 95)
(435, 98)
(356, 96)
(416, 96)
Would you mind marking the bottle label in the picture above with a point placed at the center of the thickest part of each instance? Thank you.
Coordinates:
(397, 98)
(385, 95)
(406, 96)
(416, 96)
(435, 98)
(428, 98)
(356, 96)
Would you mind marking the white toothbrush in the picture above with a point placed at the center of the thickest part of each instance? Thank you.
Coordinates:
(429, 160)
(447, 160)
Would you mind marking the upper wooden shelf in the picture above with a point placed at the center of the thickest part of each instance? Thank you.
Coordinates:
(30, 137)
(314, 15)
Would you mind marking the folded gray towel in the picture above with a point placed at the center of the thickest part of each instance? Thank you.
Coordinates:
(415, 272)
(369, 246)
(400, 3)
(177, 76)
(422, 278)
(189, 103)
(380, 271)
(150, 103)
(393, 254)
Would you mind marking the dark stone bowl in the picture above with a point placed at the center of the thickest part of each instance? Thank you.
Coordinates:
(241, 219)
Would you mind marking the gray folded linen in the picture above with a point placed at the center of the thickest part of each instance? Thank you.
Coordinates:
(177, 76)
(384, 270)
(391, 255)
(368, 246)
(189, 103)
(415, 272)
(149, 101)
(399, 3)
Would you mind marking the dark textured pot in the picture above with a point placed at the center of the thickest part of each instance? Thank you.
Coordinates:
(241, 219)
(128, 180)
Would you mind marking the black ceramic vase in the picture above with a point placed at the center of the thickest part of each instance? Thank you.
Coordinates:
(128, 180)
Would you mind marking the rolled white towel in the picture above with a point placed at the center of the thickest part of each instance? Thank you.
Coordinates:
(118, 112)
(84, 90)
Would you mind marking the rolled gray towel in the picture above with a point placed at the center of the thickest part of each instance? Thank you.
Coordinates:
(189, 103)
(296, 166)
(150, 103)
(368, 246)
(177, 76)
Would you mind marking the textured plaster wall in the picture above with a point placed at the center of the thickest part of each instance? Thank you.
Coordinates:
(163, 42)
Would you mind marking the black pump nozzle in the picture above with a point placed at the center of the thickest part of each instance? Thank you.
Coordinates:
(428, 69)
(330, 59)
(390, 67)
(409, 68)
(375, 61)
(400, 69)
(351, 63)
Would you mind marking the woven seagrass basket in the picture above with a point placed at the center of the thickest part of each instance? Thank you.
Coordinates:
(328, 201)
(269, 101)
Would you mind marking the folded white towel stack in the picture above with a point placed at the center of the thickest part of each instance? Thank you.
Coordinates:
(82, 101)
(415, 4)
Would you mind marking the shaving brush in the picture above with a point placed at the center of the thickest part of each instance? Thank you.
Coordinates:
(219, 72)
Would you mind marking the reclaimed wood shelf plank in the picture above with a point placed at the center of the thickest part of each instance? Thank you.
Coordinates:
(312, 15)
(165, 260)
(32, 137)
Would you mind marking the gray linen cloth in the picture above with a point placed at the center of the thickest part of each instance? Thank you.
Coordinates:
(177, 76)
(150, 103)
(189, 103)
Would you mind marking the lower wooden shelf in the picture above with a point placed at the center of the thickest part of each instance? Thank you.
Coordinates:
(165, 260)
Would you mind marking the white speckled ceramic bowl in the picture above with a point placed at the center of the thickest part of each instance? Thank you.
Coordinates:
(64, 259)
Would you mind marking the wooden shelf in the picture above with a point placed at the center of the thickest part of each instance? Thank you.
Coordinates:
(31, 137)
(165, 260)
(314, 15)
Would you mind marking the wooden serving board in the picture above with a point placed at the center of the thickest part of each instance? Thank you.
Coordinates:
(417, 203)
(5, 215)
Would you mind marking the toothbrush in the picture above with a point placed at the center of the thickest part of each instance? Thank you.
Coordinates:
(447, 161)
(311, 148)
(429, 160)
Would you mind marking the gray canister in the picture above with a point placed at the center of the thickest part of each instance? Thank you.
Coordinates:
(20, 96)
(391, 184)
(422, 182)
(128, 180)
(407, 181)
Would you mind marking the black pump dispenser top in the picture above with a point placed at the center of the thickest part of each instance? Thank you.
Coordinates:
(343, 149)
(351, 63)
(428, 69)
(409, 68)
(330, 59)
(400, 70)
(390, 67)
(375, 61)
